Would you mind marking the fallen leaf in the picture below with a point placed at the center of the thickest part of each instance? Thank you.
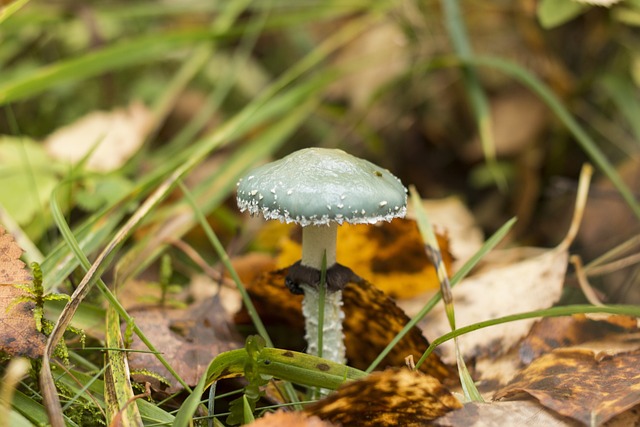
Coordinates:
(188, 338)
(18, 333)
(607, 336)
(390, 255)
(12, 270)
(289, 419)
(526, 285)
(371, 321)
(581, 385)
(111, 138)
(554, 332)
(498, 414)
(395, 397)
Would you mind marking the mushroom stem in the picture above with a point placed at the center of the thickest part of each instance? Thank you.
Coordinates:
(332, 336)
(316, 242)
(316, 239)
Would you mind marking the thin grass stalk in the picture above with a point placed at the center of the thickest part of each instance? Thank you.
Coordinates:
(568, 310)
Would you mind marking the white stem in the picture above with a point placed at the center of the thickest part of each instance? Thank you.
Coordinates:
(333, 338)
(316, 239)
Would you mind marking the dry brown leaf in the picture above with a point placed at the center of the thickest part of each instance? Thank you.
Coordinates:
(371, 321)
(12, 269)
(188, 338)
(18, 333)
(390, 255)
(500, 414)
(289, 419)
(491, 373)
(116, 135)
(610, 335)
(395, 397)
(553, 332)
(580, 385)
(530, 284)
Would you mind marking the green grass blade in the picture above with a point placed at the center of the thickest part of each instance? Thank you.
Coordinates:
(432, 249)
(625, 310)
(189, 406)
(110, 297)
(475, 92)
(10, 9)
(582, 137)
(129, 53)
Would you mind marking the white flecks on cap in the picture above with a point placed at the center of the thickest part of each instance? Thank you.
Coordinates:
(316, 181)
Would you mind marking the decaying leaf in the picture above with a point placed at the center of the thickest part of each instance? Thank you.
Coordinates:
(607, 335)
(553, 332)
(395, 397)
(189, 338)
(371, 321)
(498, 414)
(529, 284)
(389, 255)
(12, 269)
(581, 384)
(111, 137)
(289, 419)
(18, 333)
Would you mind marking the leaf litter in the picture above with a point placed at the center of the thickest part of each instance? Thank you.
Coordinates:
(187, 337)
(18, 333)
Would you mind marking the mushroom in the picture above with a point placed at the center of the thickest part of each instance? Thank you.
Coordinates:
(320, 189)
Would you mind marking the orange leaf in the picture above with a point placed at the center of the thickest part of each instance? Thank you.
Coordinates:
(390, 255)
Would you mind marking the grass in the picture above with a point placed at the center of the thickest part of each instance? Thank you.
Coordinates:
(58, 64)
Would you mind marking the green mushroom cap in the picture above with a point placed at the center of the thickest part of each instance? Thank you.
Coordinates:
(316, 186)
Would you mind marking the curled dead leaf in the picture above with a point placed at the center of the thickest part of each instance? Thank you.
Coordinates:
(395, 397)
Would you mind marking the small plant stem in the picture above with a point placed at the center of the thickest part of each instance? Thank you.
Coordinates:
(432, 249)
(322, 291)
